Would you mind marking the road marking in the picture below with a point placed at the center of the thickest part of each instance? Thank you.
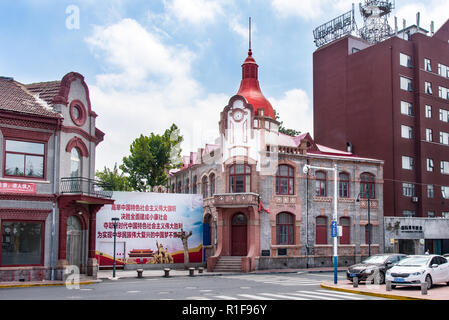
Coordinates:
(343, 294)
(315, 296)
(282, 296)
(333, 294)
(133, 291)
(254, 297)
(197, 298)
(205, 290)
(226, 297)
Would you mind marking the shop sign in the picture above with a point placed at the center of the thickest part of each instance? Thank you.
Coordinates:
(411, 228)
(17, 187)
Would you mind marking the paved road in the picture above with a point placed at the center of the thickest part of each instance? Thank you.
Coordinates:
(302, 286)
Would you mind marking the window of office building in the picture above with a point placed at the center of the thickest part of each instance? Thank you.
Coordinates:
(407, 163)
(406, 108)
(428, 111)
(431, 214)
(429, 135)
(427, 65)
(408, 213)
(444, 138)
(408, 189)
(428, 87)
(406, 84)
(445, 192)
(443, 93)
(444, 115)
(430, 191)
(444, 166)
(430, 165)
(405, 60)
(443, 70)
(406, 132)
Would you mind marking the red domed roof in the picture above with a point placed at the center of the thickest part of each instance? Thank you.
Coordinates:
(250, 89)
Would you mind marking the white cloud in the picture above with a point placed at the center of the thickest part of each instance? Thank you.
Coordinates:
(196, 12)
(311, 9)
(295, 110)
(147, 87)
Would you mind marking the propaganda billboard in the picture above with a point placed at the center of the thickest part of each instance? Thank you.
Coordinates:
(149, 227)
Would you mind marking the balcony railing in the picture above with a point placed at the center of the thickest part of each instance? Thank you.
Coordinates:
(80, 185)
(230, 200)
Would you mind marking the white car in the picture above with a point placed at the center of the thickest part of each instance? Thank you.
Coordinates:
(417, 269)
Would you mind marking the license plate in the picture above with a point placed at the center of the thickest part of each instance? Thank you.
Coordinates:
(353, 274)
(399, 280)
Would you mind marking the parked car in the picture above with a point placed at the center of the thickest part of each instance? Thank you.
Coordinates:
(377, 263)
(446, 255)
(417, 269)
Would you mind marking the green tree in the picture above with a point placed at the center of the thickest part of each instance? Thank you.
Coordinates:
(151, 157)
(282, 129)
(113, 180)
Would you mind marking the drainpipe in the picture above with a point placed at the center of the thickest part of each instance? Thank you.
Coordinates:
(53, 212)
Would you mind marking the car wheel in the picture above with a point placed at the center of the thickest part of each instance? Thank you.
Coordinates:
(429, 281)
(393, 286)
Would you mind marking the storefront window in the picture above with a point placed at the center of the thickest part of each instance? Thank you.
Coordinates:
(21, 243)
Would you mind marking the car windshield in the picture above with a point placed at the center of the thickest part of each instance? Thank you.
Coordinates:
(414, 262)
(375, 259)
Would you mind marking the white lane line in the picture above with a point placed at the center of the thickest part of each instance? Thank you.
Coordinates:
(254, 297)
(197, 298)
(133, 291)
(332, 294)
(342, 293)
(314, 296)
(282, 296)
(226, 297)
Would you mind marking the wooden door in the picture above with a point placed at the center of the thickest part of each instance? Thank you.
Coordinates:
(74, 241)
(239, 235)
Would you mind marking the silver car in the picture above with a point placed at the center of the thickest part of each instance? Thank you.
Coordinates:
(417, 269)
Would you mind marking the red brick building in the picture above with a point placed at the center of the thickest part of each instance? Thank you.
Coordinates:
(390, 101)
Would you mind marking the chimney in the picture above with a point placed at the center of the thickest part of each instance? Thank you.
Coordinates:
(417, 19)
(432, 28)
(395, 26)
(303, 146)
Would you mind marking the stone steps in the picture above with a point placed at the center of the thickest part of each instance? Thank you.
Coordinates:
(229, 264)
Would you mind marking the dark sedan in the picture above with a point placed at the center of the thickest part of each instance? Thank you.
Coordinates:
(373, 266)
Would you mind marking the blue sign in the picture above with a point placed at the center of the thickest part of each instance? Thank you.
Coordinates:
(334, 232)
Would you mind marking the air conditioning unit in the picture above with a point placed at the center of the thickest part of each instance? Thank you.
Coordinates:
(415, 199)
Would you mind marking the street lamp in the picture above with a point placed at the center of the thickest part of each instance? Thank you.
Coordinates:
(334, 232)
(367, 196)
(114, 222)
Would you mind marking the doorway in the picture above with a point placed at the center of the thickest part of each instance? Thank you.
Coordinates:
(406, 246)
(74, 241)
(239, 235)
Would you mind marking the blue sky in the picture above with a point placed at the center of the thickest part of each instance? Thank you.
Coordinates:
(152, 63)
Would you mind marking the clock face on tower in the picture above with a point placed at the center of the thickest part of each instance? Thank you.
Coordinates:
(238, 115)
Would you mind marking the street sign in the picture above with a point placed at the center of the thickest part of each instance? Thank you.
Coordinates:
(334, 232)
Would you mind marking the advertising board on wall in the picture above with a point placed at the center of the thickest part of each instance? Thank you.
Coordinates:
(149, 228)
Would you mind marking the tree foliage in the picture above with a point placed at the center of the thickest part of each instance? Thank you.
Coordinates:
(113, 180)
(282, 129)
(151, 157)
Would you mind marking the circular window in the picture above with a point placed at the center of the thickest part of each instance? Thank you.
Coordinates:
(77, 113)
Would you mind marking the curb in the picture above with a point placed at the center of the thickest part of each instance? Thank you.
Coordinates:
(373, 294)
(29, 285)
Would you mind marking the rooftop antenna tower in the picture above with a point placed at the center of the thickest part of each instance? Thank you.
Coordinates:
(375, 14)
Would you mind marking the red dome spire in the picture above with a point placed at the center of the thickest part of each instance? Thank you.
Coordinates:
(249, 86)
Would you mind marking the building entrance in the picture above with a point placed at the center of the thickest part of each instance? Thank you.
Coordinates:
(239, 235)
(74, 241)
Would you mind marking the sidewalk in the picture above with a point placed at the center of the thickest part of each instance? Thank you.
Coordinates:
(438, 292)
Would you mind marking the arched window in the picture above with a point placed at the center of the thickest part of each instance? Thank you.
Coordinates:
(321, 230)
(212, 184)
(204, 187)
(343, 185)
(367, 186)
(285, 228)
(285, 180)
(194, 186)
(239, 178)
(75, 163)
(346, 228)
(320, 183)
(187, 188)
